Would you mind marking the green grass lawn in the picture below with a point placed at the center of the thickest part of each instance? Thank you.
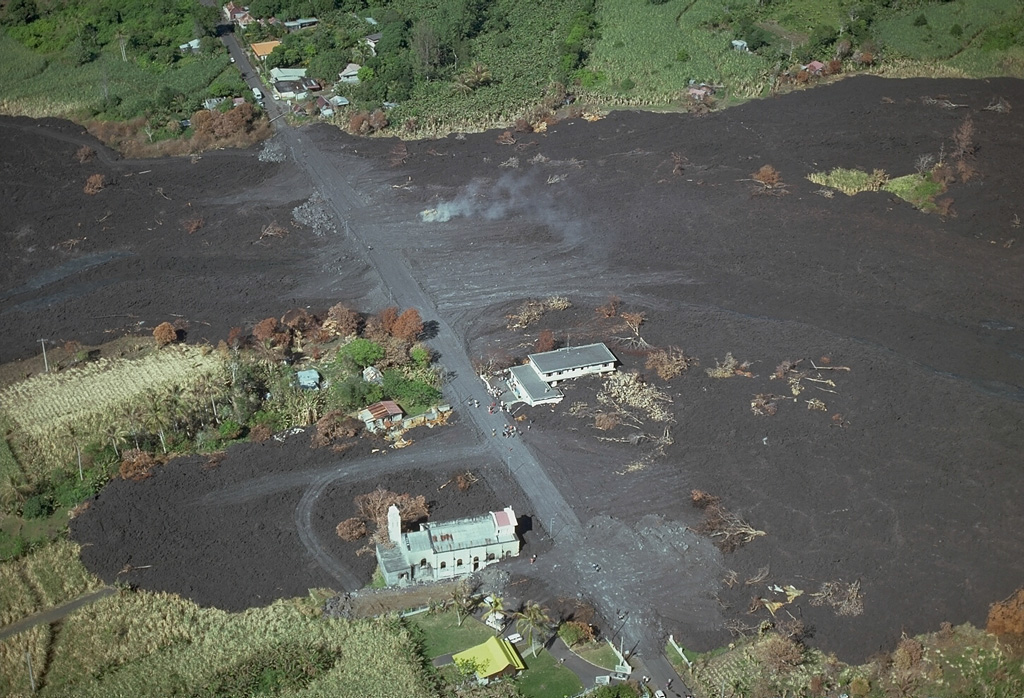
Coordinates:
(443, 635)
(599, 654)
(545, 678)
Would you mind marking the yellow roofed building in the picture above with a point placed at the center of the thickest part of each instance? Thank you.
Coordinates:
(493, 659)
(264, 48)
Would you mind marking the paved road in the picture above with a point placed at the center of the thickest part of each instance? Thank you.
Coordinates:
(366, 238)
(54, 614)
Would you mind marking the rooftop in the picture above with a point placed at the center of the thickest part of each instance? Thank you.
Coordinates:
(265, 48)
(449, 536)
(491, 657)
(569, 358)
(382, 410)
(538, 391)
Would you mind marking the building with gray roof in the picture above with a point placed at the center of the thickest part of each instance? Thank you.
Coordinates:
(447, 549)
(534, 382)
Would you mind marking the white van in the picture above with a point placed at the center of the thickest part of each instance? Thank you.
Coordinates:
(257, 93)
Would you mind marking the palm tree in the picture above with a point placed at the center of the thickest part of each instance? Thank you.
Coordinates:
(115, 432)
(464, 600)
(157, 418)
(495, 606)
(533, 619)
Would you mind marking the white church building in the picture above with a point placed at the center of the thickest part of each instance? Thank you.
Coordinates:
(447, 549)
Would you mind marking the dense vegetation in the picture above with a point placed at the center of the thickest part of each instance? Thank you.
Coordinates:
(146, 644)
(67, 432)
(441, 65)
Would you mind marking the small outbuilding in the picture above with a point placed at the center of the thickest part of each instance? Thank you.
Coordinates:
(380, 415)
(372, 374)
(308, 379)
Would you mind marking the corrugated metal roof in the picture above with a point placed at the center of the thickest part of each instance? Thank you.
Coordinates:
(449, 536)
(384, 409)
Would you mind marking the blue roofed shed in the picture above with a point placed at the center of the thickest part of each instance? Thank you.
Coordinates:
(308, 379)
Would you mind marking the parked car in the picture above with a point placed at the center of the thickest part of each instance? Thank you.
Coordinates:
(257, 93)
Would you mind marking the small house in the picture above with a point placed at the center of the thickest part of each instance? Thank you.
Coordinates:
(287, 73)
(263, 49)
(212, 103)
(301, 23)
(350, 74)
(190, 47)
(372, 41)
(380, 415)
(814, 67)
(339, 101)
(496, 658)
(237, 14)
(327, 111)
(288, 89)
(740, 45)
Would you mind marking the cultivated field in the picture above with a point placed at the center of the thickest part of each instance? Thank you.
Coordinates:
(52, 413)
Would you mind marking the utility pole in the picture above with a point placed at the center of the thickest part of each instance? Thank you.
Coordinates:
(31, 678)
(46, 363)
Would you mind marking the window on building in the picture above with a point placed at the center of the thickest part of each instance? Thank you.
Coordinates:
(423, 563)
(458, 563)
(443, 564)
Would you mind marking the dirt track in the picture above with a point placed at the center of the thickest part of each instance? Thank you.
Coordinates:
(917, 497)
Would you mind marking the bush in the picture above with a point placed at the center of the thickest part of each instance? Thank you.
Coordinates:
(545, 341)
(780, 654)
(956, 31)
(768, 176)
(72, 492)
(574, 632)
(165, 334)
(36, 507)
(345, 321)
(229, 430)
(353, 394)
(136, 464)
(420, 355)
(408, 325)
(351, 529)
(11, 547)
(363, 352)
(84, 154)
(920, 20)
(95, 184)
